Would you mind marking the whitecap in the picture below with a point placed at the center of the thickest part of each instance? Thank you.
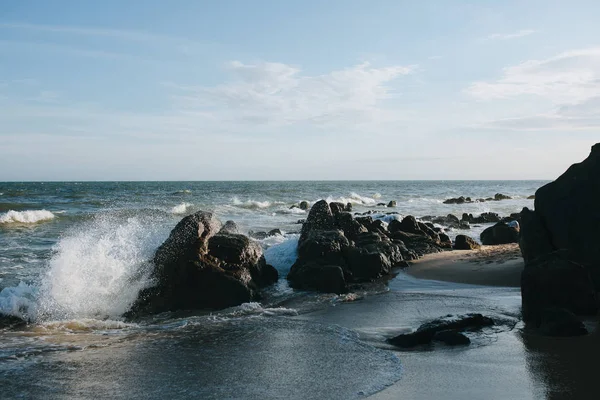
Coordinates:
(181, 208)
(25, 217)
(251, 204)
(19, 301)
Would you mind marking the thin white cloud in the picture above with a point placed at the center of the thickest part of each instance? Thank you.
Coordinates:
(569, 81)
(572, 76)
(277, 94)
(514, 35)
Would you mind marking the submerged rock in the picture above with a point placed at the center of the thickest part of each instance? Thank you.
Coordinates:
(201, 266)
(426, 333)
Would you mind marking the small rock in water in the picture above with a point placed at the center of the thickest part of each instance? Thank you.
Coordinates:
(463, 242)
(451, 338)
(392, 203)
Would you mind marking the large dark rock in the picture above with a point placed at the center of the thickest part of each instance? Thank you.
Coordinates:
(11, 322)
(560, 322)
(463, 242)
(314, 275)
(198, 267)
(320, 217)
(554, 281)
(426, 332)
(534, 239)
(568, 210)
(501, 233)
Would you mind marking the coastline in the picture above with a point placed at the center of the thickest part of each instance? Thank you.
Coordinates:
(499, 265)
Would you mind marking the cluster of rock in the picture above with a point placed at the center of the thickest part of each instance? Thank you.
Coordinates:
(204, 265)
(560, 245)
(463, 199)
(335, 249)
(448, 329)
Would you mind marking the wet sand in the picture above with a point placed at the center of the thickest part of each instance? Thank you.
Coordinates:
(489, 266)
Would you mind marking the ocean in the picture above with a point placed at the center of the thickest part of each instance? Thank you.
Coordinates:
(73, 256)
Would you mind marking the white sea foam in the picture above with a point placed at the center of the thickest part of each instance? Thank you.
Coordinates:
(283, 254)
(257, 309)
(25, 217)
(251, 204)
(181, 208)
(354, 198)
(377, 196)
(18, 301)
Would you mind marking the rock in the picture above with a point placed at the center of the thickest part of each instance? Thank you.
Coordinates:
(560, 322)
(350, 226)
(392, 203)
(301, 221)
(337, 207)
(445, 240)
(568, 210)
(11, 322)
(316, 276)
(304, 205)
(409, 224)
(426, 332)
(534, 239)
(348, 207)
(463, 242)
(229, 227)
(275, 232)
(320, 217)
(199, 268)
(555, 281)
(532, 197)
(418, 244)
(501, 233)
(451, 338)
(500, 196)
(457, 200)
(380, 204)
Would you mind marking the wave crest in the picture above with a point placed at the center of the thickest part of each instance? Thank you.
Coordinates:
(26, 217)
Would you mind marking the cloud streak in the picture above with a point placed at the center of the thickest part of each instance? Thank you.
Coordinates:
(508, 36)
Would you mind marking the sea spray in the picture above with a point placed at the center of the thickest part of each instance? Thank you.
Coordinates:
(181, 208)
(99, 268)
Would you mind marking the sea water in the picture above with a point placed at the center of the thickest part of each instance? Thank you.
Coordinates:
(74, 255)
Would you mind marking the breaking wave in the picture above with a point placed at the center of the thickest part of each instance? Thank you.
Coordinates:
(26, 217)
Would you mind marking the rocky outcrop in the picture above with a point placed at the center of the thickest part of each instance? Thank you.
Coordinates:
(446, 329)
(201, 266)
(567, 216)
(463, 242)
(335, 249)
(555, 281)
(484, 218)
(11, 322)
(501, 233)
(463, 199)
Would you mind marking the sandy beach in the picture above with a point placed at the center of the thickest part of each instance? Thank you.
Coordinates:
(491, 266)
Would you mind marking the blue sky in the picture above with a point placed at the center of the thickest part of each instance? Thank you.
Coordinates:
(212, 90)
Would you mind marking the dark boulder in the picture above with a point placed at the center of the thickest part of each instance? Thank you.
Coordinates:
(11, 322)
(409, 224)
(560, 322)
(555, 281)
(314, 275)
(337, 207)
(426, 332)
(392, 203)
(445, 240)
(320, 217)
(349, 225)
(500, 196)
(463, 242)
(199, 268)
(451, 338)
(304, 205)
(275, 232)
(534, 239)
(230, 227)
(457, 200)
(568, 210)
(348, 207)
(501, 233)
(419, 244)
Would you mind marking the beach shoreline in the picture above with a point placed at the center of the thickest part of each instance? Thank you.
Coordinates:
(499, 265)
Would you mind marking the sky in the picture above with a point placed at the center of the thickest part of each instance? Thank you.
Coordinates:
(297, 90)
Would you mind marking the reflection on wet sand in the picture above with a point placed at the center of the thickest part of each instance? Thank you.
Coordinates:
(566, 368)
